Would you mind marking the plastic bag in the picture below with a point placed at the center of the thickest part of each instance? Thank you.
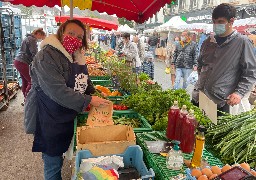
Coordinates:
(192, 78)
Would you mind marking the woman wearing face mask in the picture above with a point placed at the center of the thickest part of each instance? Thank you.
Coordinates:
(25, 56)
(63, 89)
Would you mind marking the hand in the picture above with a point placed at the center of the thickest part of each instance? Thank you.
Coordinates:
(233, 99)
(79, 57)
(97, 101)
(195, 68)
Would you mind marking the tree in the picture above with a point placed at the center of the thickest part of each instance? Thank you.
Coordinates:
(123, 21)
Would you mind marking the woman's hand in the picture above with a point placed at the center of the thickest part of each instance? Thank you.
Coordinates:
(79, 57)
(97, 101)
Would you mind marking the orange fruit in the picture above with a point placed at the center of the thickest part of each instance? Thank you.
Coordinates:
(213, 176)
(203, 177)
(245, 166)
(196, 172)
(207, 172)
(216, 170)
(225, 168)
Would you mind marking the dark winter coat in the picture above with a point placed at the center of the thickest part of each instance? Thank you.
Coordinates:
(60, 84)
(27, 50)
(185, 57)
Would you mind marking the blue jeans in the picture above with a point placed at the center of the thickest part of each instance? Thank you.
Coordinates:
(52, 167)
(182, 73)
(153, 50)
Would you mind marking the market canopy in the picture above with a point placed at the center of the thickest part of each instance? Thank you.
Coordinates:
(126, 29)
(137, 10)
(92, 22)
(173, 24)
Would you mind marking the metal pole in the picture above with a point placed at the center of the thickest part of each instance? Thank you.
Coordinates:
(71, 9)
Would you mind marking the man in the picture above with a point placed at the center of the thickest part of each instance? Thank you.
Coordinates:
(226, 64)
(152, 42)
(184, 59)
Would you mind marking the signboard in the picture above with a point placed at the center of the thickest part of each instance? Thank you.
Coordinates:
(208, 107)
(100, 116)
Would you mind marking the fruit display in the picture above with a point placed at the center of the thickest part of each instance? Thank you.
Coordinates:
(107, 91)
(89, 60)
(96, 70)
(210, 173)
(120, 107)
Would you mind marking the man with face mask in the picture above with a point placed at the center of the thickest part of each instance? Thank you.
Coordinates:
(184, 59)
(226, 64)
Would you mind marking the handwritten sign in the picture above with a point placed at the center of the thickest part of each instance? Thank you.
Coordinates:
(100, 116)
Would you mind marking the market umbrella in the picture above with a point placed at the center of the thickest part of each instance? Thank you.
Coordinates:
(137, 10)
(92, 22)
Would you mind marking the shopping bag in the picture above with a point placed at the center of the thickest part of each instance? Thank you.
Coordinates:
(252, 97)
(192, 78)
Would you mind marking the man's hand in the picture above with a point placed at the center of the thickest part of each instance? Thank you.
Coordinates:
(233, 99)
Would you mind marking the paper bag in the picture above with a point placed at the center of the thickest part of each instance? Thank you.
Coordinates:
(100, 116)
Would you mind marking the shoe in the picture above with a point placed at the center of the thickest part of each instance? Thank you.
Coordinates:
(23, 103)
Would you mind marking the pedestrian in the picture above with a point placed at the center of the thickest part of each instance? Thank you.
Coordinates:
(148, 65)
(140, 47)
(113, 41)
(27, 51)
(226, 64)
(63, 89)
(170, 51)
(184, 59)
(130, 50)
(153, 41)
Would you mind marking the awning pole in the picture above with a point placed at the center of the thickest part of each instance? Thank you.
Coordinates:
(71, 9)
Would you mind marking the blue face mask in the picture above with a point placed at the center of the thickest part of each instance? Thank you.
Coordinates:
(219, 29)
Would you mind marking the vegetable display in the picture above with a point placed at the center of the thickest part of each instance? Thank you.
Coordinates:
(135, 123)
(234, 138)
(154, 105)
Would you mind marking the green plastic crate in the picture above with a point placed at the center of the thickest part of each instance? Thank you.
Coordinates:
(105, 83)
(146, 127)
(158, 163)
(81, 119)
(100, 77)
(117, 99)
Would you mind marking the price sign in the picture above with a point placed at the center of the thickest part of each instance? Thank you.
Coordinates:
(100, 116)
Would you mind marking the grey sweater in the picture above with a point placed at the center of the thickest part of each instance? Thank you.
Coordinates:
(28, 49)
(226, 69)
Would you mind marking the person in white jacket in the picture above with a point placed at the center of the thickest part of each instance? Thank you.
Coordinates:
(130, 50)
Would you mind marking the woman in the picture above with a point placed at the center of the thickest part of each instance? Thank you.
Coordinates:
(131, 52)
(25, 56)
(63, 89)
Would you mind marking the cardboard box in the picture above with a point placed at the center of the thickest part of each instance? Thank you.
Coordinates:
(105, 140)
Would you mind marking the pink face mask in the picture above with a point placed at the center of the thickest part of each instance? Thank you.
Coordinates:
(71, 44)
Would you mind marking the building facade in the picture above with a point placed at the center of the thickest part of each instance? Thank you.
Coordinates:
(198, 11)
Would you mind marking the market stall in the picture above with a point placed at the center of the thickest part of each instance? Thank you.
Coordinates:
(91, 22)
(172, 25)
(136, 10)
(151, 133)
